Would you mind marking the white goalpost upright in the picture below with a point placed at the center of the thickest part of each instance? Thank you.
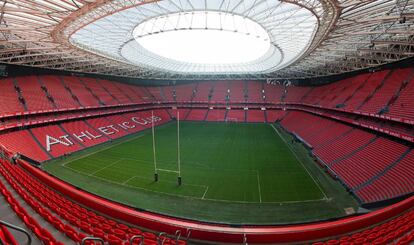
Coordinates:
(153, 147)
(178, 148)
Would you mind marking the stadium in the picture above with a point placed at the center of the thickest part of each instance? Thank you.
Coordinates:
(207, 122)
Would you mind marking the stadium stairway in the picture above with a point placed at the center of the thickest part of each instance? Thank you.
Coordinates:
(383, 172)
(5, 236)
(380, 79)
(14, 219)
(359, 84)
(399, 231)
(68, 217)
(9, 216)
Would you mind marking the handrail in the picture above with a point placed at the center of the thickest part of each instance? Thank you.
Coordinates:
(177, 236)
(245, 239)
(162, 235)
(188, 232)
(131, 240)
(29, 238)
(89, 238)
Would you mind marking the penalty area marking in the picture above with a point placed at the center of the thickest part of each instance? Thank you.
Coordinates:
(303, 165)
(125, 183)
(205, 192)
(107, 166)
(185, 196)
(133, 186)
(258, 186)
(103, 149)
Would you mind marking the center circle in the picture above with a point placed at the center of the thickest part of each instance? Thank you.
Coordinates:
(203, 37)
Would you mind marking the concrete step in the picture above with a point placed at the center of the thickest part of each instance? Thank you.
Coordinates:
(8, 215)
(42, 222)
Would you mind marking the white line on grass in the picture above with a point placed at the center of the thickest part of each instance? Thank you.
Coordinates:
(258, 185)
(103, 149)
(136, 187)
(204, 195)
(170, 194)
(126, 181)
(107, 166)
(283, 202)
(192, 197)
(303, 165)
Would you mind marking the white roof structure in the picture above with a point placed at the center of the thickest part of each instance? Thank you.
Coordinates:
(283, 39)
(285, 29)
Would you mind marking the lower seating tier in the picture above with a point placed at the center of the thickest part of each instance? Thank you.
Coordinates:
(369, 165)
(68, 217)
(51, 141)
(360, 159)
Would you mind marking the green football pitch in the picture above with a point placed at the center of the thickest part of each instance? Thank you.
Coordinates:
(227, 169)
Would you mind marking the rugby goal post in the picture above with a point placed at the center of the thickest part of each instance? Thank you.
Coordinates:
(156, 169)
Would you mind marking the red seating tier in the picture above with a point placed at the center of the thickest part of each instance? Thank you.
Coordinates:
(358, 99)
(256, 116)
(155, 93)
(21, 141)
(398, 181)
(343, 146)
(182, 113)
(83, 133)
(216, 115)
(197, 115)
(9, 101)
(79, 90)
(237, 91)
(33, 94)
(295, 94)
(274, 115)
(136, 94)
(383, 95)
(168, 92)
(56, 141)
(220, 91)
(350, 87)
(115, 91)
(236, 115)
(184, 92)
(98, 90)
(368, 162)
(273, 93)
(61, 96)
(254, 91)
(404, 103)
(203, 91)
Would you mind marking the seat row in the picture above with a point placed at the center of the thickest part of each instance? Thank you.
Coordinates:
(374, 168)
(6, 237)
(73, 220)
(41, 233)
(71, 136)
(398, 231)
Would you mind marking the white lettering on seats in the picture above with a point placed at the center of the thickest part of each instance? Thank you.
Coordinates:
(97, 136)
(53, 141)
(82, 135)
(105, 130)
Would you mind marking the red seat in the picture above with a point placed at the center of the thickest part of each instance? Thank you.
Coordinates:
(119, 233)
(114, 240)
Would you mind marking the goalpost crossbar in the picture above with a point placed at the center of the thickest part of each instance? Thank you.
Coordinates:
(168, 170)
